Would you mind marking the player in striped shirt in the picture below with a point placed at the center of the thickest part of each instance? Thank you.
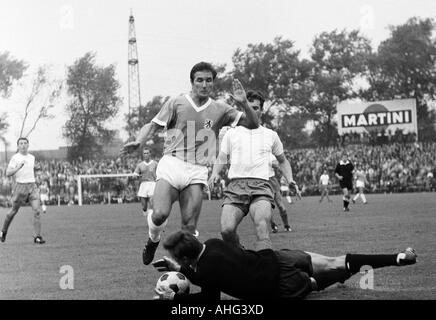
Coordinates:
(192, 122)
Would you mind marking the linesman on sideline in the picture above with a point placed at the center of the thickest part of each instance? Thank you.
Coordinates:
(22, 166)
(344, 172)
(217, 266)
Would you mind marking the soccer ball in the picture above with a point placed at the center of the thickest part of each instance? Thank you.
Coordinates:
(173, 282)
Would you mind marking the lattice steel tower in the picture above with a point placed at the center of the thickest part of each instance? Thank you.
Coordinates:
(134, 88)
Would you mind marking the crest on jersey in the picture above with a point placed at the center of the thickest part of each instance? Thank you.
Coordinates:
(208, 124)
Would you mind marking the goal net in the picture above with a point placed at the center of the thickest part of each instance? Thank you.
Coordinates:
(106, 188)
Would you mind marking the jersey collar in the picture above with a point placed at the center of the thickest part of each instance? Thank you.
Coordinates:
(201, 108)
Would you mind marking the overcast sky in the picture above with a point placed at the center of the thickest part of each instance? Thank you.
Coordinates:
(172, 36)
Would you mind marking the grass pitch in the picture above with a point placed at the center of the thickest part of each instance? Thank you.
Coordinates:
(103, 245)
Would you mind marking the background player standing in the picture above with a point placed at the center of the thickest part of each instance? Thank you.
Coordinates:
(324, 183)
(22, 166)
(147, 171)
(344, 172)
(44, 191)
(360, 177)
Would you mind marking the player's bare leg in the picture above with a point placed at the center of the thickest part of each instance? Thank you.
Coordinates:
(231, 217)
(346, 199)
(144, 205)
(260, 213)
(8, 219)
(164, 197)
(191, 199)
(330, 270)
(36, 206)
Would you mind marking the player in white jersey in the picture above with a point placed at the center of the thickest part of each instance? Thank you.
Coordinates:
(44, 191)
(249, 191)
(360, 178)
(146, 170)
(324, 184)
(192, 122)
(22, 166)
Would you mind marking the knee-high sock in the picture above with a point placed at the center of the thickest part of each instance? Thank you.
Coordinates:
(346, 201)
(363, 197)
(154, 231)
(284, 216)
(8, 219)
(37, 224)
(356, 196)
(353, 262)
(330, 277)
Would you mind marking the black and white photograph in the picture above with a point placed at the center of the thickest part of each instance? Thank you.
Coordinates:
(222, 156)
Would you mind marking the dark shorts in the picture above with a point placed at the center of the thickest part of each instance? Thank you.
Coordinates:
(346, 184)
(243, 192)
(295, 272)
(24, 192)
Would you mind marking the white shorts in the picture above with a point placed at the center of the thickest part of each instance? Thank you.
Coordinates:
(44, 197)
(284, 188)
(179, 173)
(360, 184)
(146, 189)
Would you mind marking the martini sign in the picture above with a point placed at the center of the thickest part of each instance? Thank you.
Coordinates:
(364, 117)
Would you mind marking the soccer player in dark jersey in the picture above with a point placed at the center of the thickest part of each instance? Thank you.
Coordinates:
(344, 172)
(192, 122)
(217, 266)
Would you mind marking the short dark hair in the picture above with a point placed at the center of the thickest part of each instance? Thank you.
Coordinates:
(254, 94)
(22, 138)
(183, 244)
(202, 66)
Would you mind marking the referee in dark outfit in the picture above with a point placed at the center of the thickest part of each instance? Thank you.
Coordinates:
(217, 266)
(344, 172)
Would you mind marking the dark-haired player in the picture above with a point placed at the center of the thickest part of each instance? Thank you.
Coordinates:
(344, 172)
(216, 266)
(192, 122)
(249, 192)
(22, 167)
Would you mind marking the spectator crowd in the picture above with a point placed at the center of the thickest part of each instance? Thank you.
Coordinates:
(395, 167)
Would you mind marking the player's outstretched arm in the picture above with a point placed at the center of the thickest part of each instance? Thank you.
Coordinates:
(146, 132)
(249, 118)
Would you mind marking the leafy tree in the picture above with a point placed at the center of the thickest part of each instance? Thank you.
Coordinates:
(94, 101)
(273, 68)
(45, 93)
(404, 66)
(338, 58)
(10, 70)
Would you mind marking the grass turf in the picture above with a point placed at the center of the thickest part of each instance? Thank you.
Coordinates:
(103, 245)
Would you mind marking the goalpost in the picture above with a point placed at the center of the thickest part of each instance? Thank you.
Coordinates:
(89, 176)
